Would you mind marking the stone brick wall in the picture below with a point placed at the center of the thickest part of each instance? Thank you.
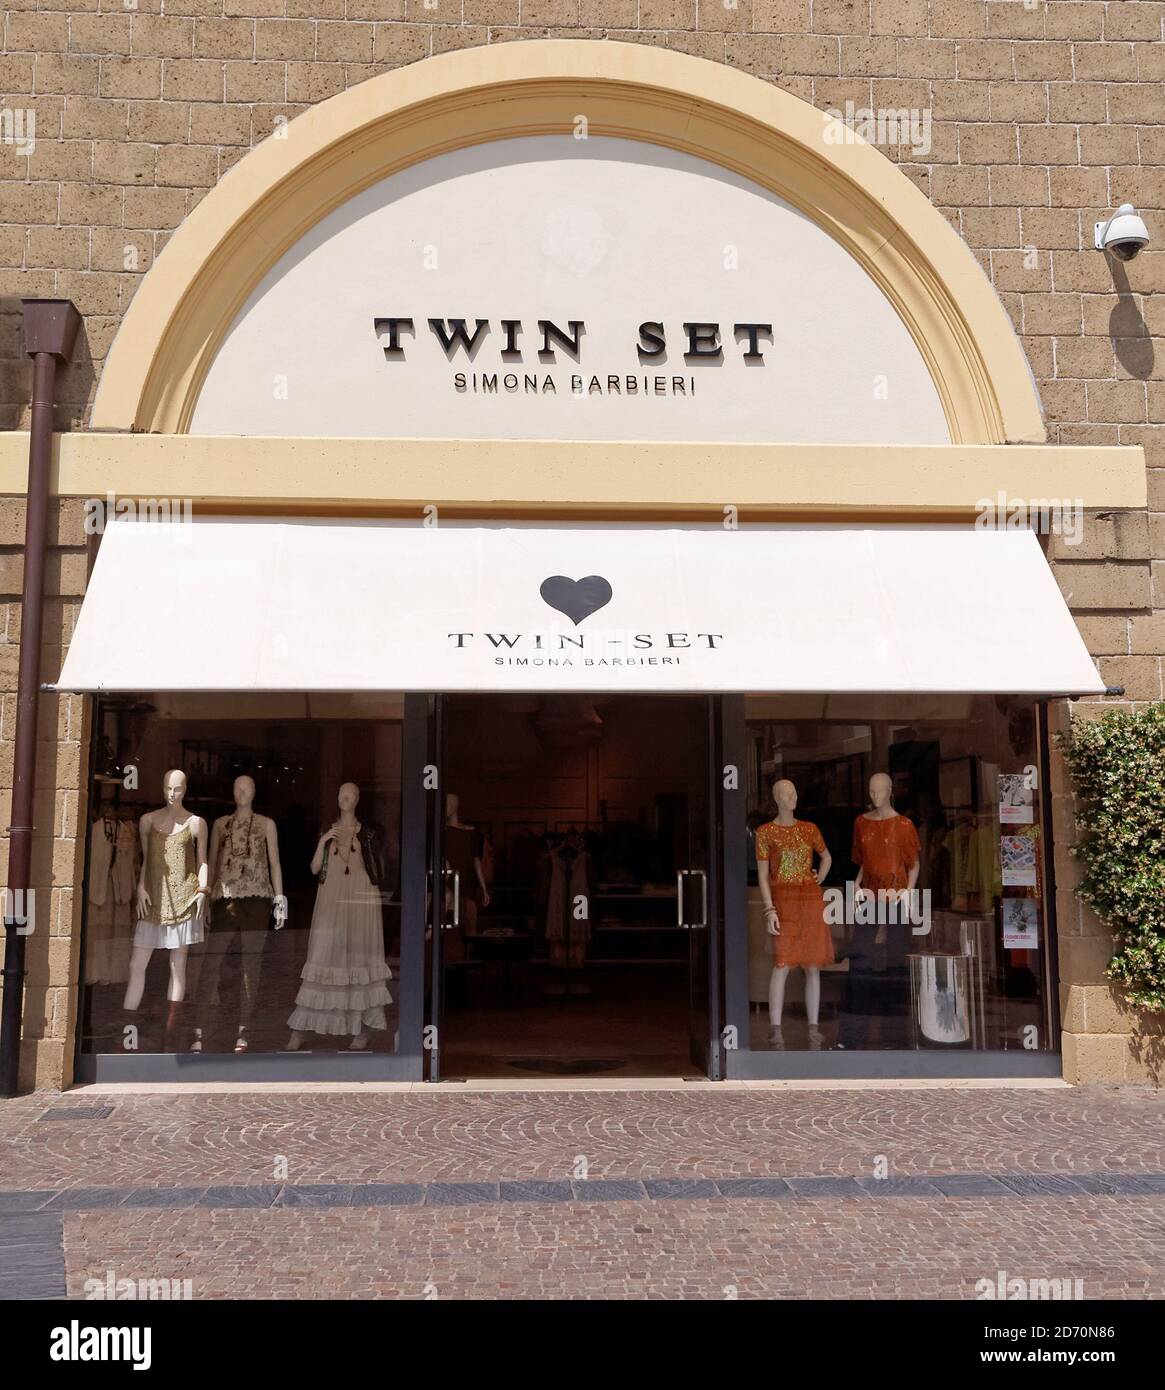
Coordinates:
(52, 951)
(1045, 117)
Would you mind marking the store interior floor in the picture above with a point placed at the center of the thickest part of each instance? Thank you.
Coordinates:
(604, 1020)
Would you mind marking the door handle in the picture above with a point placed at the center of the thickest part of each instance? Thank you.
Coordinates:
(680, 897)
(703, 922)
(456, 922)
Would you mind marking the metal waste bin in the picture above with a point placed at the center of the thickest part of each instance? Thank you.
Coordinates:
(940, 994)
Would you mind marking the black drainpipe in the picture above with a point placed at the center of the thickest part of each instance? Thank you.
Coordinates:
(50, 331)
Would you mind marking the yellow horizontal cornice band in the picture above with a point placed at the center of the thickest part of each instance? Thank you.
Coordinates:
(549, 477)
(276, 193)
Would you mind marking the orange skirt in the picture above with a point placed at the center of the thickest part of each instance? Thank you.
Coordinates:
(804, 937)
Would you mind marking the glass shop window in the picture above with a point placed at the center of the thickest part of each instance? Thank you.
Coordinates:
(242, 889)
(897, 881)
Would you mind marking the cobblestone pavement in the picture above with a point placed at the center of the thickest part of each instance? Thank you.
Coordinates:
(324, 1194)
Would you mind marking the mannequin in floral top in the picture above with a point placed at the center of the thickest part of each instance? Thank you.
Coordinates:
(794, 907)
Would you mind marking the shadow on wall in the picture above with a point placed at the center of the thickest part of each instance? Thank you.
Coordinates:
(1148, 1043)
(1127, 330)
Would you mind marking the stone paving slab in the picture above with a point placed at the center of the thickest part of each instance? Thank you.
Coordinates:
(32, 1259)
(243, 1139)
(835, 1248)
(740, 1195)
(535, 1190)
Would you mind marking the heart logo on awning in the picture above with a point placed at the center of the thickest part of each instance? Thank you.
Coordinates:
(577, 598)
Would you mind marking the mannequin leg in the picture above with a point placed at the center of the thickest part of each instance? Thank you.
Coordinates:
(175, 994)
(177, 991)
(251, 944)
(813, 1006)
(777, 1000)
(812, 994)
(138, 960)
(204, 983)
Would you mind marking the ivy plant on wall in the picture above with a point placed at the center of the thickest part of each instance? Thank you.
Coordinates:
(1118, 765)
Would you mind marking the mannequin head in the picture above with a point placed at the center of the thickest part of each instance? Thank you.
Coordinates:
(244, 792)
(881, 790)
(452, 805)
(785, 795)
(348, 797)
(174, 787)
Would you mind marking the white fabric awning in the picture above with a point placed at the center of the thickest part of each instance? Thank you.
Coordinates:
(357, 606)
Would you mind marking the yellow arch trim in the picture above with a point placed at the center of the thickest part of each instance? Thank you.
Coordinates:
(188, 299)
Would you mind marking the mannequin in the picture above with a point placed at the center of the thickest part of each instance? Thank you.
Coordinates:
(888, 856)
(344, 988)
(794, 907)
(172, 896)
(463, 854)
(246, 885)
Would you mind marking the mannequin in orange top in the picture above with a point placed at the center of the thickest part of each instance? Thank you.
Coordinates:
(889, 858)
(794, 907)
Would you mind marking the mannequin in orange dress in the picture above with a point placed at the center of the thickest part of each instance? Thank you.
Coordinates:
(794, 907)
(889, 857)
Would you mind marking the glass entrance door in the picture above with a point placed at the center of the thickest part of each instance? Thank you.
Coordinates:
(571, 887)
(698, 884)
(443, 887)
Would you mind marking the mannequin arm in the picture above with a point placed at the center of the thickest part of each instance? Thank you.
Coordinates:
(273, 858)
(213, 853)
(317, 859)
(477, 869)
(144, 903)
(860, 897)
(772, 924)
(823, 867)
(212, 861)
(280, 902)
(200, 837)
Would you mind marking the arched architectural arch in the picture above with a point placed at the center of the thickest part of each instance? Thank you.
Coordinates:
(278, 192)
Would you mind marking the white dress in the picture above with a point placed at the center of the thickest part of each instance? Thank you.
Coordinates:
(344, 988)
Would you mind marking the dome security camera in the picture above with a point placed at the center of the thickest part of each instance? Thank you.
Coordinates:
(1124, 234)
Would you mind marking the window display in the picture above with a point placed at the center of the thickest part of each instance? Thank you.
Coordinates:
(896, 896)
(934, 914)
(256, 903)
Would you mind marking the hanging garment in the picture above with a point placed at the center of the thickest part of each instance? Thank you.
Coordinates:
(803, 938)
(108, 926)
(568, 907)
(102, 839)
(125, 862)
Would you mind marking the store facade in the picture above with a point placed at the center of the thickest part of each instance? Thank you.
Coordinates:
(567, 446)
